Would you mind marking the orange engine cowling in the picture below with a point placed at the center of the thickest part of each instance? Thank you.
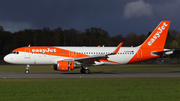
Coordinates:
(64, 66)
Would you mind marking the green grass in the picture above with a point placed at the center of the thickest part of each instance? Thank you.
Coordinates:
(136, 89)
(20, 68)
(127, 89)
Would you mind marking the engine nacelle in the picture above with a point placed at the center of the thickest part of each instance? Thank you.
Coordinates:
(64, 65)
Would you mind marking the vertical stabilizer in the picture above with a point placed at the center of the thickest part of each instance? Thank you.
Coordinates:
(157, 38)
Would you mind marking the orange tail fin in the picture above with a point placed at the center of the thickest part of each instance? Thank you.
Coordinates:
(157, 38)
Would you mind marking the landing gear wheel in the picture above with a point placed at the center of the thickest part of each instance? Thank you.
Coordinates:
(27, 71)
(87, 71)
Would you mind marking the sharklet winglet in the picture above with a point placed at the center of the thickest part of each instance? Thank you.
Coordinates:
(117, 49)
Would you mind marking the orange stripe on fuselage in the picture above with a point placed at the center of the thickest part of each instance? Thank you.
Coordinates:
(54, 51)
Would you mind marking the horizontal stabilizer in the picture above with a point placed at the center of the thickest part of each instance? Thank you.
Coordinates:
(162, 52)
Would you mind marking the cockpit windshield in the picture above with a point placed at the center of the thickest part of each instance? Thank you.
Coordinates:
(14, 52)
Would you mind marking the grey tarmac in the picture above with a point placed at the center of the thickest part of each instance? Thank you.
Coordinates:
(106, 74)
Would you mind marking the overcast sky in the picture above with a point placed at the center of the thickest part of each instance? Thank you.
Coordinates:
(114, 16)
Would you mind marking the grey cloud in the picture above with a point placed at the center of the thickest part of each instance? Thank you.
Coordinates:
(137, 9)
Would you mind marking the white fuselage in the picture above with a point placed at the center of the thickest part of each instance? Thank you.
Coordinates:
(124, 55)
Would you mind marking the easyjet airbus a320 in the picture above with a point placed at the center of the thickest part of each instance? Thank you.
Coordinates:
(69, 58)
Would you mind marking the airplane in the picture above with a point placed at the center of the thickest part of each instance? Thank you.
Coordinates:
(69, 58)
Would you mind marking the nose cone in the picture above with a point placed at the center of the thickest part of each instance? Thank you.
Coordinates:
(7, 58)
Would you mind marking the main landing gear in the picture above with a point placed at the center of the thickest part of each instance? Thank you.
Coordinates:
(85, 70)
(27, 69)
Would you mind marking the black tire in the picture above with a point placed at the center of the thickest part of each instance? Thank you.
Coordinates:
(82, 70)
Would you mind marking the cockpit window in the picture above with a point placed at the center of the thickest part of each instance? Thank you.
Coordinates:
(15, 52)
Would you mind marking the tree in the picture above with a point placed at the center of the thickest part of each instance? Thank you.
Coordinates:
(174, 44)
(178, 38)
(131, 39)
(115, 40)
(141, 39)
(172, 34)
(149, 33)
(96, 36)
(57, 36)
(1, 29)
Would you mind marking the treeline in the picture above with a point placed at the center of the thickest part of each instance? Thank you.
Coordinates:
(73, 37)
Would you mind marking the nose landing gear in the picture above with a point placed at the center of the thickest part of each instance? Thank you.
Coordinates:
(27, 69)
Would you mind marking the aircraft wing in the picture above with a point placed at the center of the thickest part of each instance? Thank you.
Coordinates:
(91, 59)
(97, 57)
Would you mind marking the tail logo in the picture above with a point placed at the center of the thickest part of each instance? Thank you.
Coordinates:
(157, 35)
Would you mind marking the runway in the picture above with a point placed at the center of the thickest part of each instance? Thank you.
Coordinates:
(107, 74)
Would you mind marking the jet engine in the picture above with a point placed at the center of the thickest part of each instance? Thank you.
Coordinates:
(64, 65)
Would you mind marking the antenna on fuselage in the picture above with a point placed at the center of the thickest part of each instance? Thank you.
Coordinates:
(29, 45)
